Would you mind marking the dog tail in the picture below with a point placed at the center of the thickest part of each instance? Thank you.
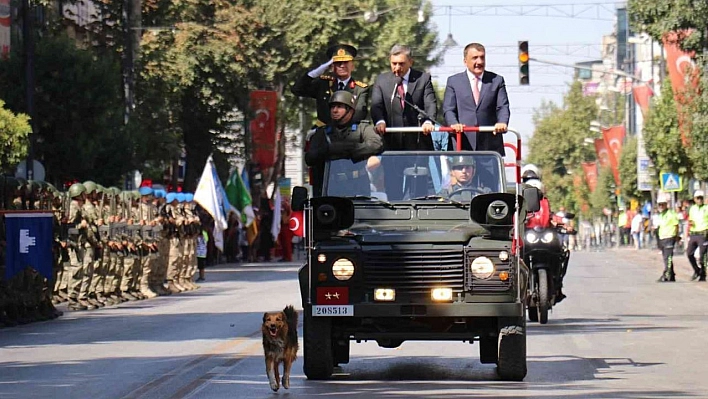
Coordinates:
(291, 316)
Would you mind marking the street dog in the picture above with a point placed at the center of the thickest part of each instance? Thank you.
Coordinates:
(279, 344)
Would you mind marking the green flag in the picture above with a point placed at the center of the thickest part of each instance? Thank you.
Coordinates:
(239, 195)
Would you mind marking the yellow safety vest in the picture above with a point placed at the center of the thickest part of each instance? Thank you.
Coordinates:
(698, 216)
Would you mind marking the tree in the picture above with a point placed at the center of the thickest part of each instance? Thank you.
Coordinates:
(604, 192)
(14, 131)
(662, 139)
(628, 170)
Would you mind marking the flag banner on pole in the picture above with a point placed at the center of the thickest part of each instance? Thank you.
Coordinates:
(29, 238)
(239, 195)
(614, 137)
(211, 196)
(277, 211)
(590, 169)
(297, 223)
(683, 72)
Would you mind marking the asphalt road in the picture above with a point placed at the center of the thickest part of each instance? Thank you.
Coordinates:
(620, 334)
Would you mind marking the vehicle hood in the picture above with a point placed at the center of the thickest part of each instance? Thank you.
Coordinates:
(452, 234)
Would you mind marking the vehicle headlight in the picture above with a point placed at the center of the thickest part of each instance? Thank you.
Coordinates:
(531, 237)
(547, 237)
(343, 269)
(482, 267)
(503, 256)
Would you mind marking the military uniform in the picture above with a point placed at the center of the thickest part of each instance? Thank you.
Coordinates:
(471, 187)
(321, 86)
(355, 141)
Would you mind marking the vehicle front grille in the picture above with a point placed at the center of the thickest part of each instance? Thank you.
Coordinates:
(414, 271)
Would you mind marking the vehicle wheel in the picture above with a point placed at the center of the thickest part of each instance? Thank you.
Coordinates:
(488, 350)
(533, 314)
(543, 302)
(511, 365)
(318, 358)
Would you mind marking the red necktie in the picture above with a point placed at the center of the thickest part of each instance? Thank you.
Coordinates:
(401, 94)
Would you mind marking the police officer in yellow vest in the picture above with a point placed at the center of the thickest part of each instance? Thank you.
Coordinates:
(668, 233)
(334, 75)
(698, 229)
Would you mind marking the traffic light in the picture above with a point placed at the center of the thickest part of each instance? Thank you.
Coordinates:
(524, 63)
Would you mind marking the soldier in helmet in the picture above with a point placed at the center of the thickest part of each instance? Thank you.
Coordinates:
(343, 139)
(92, 259)
(77, 243)
(464, 180)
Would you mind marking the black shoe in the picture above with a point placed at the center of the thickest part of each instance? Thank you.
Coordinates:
(560, 296)
(200, 279)
(695, 276)
(664, 278)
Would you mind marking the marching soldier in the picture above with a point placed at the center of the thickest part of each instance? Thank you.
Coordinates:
(334, 75)
(77, 242)
(698, 229)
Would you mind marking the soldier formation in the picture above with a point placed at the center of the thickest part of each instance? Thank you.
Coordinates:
(110, 246)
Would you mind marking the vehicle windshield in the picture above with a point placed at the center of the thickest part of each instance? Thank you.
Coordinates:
(403, 176)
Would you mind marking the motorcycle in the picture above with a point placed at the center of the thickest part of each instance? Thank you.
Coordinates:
(546, 253)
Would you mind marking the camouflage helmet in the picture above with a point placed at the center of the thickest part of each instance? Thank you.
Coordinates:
(76, 189)
(462, 160)
(90, 186)
(113, 190)
(343, 97)
(101, 189)
(135, 194)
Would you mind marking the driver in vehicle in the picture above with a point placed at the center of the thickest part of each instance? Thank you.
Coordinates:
(465, 184)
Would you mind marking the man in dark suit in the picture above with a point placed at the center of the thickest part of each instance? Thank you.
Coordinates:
(391, 99)
(477, 97)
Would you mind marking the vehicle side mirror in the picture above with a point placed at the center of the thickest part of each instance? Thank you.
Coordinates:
(299, 198)
(532, 198)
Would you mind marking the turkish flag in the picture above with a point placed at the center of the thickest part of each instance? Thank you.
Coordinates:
(590, 169)
(332, 295)
(297, 223)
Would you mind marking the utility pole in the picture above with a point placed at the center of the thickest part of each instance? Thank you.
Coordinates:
(128, 60)
(28, 44)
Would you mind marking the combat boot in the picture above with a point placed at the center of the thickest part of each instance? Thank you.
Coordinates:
(75, 304)
(172, 287)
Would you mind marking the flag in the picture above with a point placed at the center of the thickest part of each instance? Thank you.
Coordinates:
(590, 169)
(238, 193)
(29, 238)
(614, 136)
(211, 196)
(683, 72)
(297, 223)
(642, 96)
(275, 226)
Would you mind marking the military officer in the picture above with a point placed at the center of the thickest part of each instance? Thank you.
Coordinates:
(668, 233)
(334, 75)
(698, 229)
(343, 138)
(465, 181)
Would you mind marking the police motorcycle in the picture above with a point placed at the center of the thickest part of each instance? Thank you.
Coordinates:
(546, 254)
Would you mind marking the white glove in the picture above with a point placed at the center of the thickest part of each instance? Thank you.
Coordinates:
(315, 73)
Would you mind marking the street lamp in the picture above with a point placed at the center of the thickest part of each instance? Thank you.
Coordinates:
(449, 41)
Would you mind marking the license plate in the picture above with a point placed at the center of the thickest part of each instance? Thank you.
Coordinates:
(333, 310)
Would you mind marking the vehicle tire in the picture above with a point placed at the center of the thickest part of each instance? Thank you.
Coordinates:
(533, 314)
(543, 301)
(511, 365)
(488, 350)
(318, 359)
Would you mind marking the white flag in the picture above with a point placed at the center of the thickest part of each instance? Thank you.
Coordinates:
(209, 196)
(275, 227)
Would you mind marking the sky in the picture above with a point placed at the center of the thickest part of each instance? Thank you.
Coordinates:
(557, 37)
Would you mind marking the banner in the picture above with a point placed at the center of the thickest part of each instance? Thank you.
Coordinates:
(264, 105)
(29, 238)
(642, 96)
(277, 211)
(614, 137)
(5, 33)
(239, 195)
(297, 223)
(603, 156)
(211, 196)
(682, 71)
(590, 169)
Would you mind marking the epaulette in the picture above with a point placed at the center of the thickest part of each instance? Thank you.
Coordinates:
(327, 77)
(360, 84)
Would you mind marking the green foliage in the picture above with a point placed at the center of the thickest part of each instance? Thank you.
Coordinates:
(662, 139)
(14, 131)
(659, 17)
(557, 145)
(602, 197)
(698, 135)
(78, 110)
(628, 169)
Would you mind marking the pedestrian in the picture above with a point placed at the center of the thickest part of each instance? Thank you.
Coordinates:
(636, 227)
(343, 139)
(334, 75)
(477, 97)
(698, 228)
(668, 235)
(202, 240)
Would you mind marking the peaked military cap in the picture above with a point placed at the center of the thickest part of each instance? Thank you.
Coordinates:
(341, 52)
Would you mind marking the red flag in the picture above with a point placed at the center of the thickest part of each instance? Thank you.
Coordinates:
(603, 156)
(297, 223)
(683, 71)
(642, 96)
(590, 169)
(614, 136)
(332, 295)
(264, 105)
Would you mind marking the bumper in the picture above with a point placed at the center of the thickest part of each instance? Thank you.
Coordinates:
(440, 310)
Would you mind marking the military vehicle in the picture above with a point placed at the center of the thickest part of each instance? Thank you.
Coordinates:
(433, 255)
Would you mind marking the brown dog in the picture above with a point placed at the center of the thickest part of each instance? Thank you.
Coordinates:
(279, 344)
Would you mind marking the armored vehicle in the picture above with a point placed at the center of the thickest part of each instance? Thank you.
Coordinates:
(423, 251)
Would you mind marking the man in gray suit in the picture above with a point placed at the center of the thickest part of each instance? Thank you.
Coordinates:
(394, 99)
(477, 97)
